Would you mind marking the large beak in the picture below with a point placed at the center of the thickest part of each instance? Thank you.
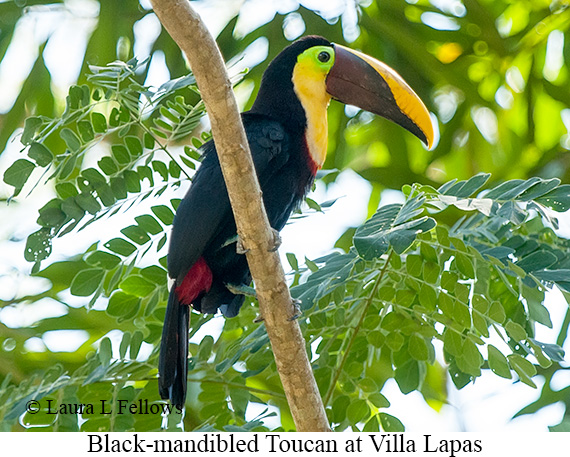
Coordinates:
(360, 80)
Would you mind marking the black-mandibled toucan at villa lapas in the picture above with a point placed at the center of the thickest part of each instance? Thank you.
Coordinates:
(287, 133)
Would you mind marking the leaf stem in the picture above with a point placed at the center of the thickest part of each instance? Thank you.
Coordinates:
(357, 329)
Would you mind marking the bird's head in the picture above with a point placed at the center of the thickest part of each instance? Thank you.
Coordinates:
(316, 70)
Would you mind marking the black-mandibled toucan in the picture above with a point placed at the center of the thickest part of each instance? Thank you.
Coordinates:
(287, 132)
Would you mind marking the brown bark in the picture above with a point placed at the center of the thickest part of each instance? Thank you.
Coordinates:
(191, 35)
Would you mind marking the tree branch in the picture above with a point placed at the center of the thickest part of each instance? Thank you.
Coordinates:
(191, 35)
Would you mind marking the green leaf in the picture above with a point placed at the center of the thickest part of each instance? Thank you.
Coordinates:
(31, 126)
(160, 168)
(148, 141)
(511, 189)
(38, 245)
(105, 351)
(431, 272)
(108, 165)
(372, 426)
(418, 348)
(119, 187)
(558, 199)
(86, 282)
(205, 348)
(449, 280)
(134, 146)
(136, 342)
(414, 265)
(174, 169)
(99, 122)
(465, 265)
(538, 260)
(102, 259)
(292, 259)
(125, 341)
(390, 423)
(516, 331)
(368, 385)
(408, 376)
(51, 214)
(428, 252)
(539, 189)
(164, 214)
(93, 176)
(41, 154)
(378, 400)
(480, 303)
(339, 407)
(497, 312)
(469, 187)
(155, 274)
(18, 173)
(498, 362)
(461, 314)
(133, 181)
(523, 368)
(65, 190)
(86, 131)
(428, 297)
(392, 225)
(67, 166)
(120, 246)
(470, 360)
(149, 224)
(452, 342)
(72, 209)
(71, 139)
(121, 304)
(137, 286)
(136, 234)
(120, 153)
(357, 411)
(105, 194)
(88, 202)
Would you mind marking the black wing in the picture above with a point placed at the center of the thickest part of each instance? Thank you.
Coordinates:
(205, 209)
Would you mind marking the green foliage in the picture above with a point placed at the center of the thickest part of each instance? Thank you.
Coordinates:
(137, 120)
(455, 270)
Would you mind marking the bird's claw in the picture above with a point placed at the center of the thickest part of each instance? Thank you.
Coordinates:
(296, 309)
(240, 248)
(276, 242)
(259, 318)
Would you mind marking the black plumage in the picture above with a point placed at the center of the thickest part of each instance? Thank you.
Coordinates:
(204, 226)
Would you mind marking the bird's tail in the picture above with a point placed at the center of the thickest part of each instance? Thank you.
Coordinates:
(173, 359)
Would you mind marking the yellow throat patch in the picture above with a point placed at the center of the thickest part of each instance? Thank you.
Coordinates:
(309, 85)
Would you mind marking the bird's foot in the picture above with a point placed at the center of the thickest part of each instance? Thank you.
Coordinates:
(296, 309)
(240, 248)
(276, 242)
(241, 289)
(259, 318)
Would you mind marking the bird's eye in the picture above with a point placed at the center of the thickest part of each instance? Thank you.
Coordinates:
(324, 56)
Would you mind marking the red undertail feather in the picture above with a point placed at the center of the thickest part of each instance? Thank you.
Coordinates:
(196, 281)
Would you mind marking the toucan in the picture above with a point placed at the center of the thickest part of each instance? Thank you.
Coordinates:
(287, 132)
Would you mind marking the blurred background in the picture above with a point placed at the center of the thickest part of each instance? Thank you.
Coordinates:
(493, 73)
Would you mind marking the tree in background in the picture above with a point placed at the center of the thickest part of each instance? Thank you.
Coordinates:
(452, 264)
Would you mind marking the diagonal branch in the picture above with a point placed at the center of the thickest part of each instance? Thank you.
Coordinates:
(190, 33)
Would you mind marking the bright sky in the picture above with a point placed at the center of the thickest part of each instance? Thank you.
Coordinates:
(469, 409)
